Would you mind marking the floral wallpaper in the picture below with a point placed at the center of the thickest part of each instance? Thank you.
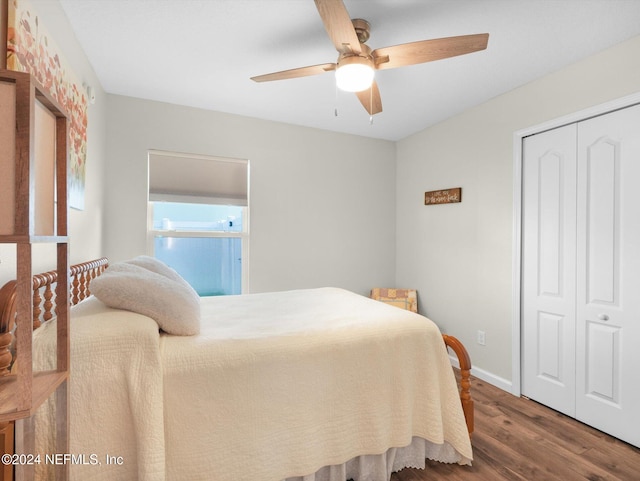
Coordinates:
(31, 49)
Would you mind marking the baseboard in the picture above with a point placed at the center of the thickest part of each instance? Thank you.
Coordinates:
(486, 376)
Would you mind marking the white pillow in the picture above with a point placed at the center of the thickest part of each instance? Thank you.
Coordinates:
(159, 267)
(174, 306)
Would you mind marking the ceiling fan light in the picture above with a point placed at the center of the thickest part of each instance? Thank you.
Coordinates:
(354, 77)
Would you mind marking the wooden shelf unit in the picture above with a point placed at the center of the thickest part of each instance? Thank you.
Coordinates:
(44, 383)
(33, 209)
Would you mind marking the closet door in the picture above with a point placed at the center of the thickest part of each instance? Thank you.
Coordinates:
(548, 268)
(608, 273)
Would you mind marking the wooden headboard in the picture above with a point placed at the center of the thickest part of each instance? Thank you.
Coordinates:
(43, 301)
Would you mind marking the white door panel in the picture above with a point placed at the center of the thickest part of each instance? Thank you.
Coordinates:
(548, 307)
(602, 369)
(608, 308)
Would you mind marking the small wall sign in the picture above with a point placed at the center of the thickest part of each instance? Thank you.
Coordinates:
(448, 196)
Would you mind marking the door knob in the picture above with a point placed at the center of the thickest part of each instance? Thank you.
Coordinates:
(603, 317)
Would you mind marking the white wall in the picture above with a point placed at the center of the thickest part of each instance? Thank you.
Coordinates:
(85, 227)
(322, 205)
(459, 256)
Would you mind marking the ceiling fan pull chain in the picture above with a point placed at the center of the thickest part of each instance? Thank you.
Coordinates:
(335, 109)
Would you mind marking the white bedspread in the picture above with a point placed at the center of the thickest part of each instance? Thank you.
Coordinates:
(275, 386)
(281, 384)
(115, 395)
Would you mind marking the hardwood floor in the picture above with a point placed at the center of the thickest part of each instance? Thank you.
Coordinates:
(517, 439)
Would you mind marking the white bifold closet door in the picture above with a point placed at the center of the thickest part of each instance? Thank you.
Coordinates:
(581, 271)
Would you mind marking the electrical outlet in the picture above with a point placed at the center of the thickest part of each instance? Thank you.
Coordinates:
(481, 338)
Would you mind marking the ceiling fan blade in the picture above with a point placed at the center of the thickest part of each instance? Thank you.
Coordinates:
(428, 50)
(296, 72)
(370, 99)
(338, 24)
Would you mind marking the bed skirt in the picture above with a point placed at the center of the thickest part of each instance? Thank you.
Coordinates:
(379, 467)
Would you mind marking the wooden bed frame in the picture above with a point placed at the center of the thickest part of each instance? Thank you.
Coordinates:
(80, 278)
(43, 310)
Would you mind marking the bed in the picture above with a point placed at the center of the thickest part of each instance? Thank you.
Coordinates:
(303, 385)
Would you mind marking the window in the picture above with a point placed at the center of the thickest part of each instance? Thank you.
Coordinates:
(198, 219)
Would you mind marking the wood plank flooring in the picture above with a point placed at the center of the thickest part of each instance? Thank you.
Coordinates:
(516, 439)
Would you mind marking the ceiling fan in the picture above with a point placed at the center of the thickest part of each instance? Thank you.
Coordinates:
(357, 62)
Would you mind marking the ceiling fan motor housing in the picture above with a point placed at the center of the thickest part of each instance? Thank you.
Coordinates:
(362, 28)
(362, 58)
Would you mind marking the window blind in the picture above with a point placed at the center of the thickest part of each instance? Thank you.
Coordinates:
(195, 178)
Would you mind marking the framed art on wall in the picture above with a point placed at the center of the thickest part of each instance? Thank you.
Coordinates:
(30, 48)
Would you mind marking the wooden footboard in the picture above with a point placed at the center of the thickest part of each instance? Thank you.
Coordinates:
(465, 378)
(43, 310)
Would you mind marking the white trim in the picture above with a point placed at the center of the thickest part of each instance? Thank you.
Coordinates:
(246, 223)
(168, 153)
(485, 376)
(197, 233)
(516, 260)
(197, 199)
(584, 114)
(581, 115)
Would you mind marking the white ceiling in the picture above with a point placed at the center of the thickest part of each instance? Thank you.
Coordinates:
(202, 53)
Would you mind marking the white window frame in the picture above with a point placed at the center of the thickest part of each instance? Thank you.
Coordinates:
(244, 234)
